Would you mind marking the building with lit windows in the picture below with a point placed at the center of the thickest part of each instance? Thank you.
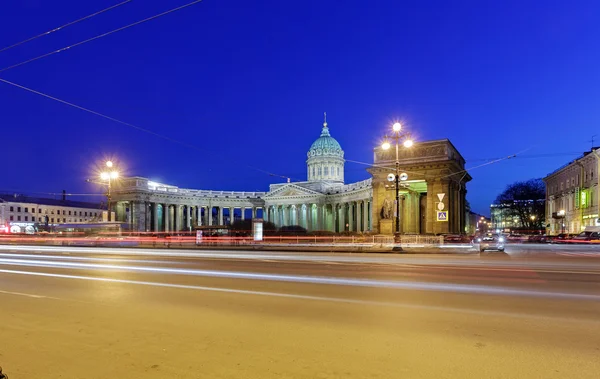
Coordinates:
(573, 195)
(19, 213)
(509, 216)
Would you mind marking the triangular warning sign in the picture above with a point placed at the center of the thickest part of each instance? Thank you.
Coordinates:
(441, 196)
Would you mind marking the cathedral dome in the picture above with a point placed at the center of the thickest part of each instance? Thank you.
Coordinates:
(325, 158)
(325, 145)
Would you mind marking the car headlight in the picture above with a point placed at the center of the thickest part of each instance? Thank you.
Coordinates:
(478, 239)
(501, 239)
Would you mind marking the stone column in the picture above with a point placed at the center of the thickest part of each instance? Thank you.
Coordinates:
(221, 215)
(359, 227)
(341, 217)
(319, 217)
(457, 210)
(299, 220)
(155, 215)
(166, 216)
(177, 217)
(284, 215)
(351, 216)
(334, 217)
(366, 215)
(429, 209)
(231, 215)
(243, 209)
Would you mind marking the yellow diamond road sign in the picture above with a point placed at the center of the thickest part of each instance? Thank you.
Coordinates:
(442, 215)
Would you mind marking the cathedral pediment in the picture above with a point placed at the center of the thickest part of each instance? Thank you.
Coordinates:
(291, 190)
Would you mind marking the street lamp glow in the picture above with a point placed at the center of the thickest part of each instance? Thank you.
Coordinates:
(104, 176)
(408, 143)
(396, 126)
(114, 175)
(386, 145)
(109, 164)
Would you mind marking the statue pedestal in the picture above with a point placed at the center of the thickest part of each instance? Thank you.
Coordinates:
(386, 226)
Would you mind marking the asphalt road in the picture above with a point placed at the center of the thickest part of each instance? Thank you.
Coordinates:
(133, 313)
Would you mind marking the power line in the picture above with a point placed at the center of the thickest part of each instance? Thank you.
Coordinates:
(101, 35)
(64, 26)
(99, 114)
(139, 128)
(529, 156)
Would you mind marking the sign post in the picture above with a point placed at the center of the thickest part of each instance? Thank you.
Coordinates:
(198, 237)
(442, 216)
(257, 229)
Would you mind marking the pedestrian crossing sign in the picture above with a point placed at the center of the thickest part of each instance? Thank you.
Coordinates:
(442, 215)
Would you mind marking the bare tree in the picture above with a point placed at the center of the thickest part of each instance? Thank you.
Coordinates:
(526, 200)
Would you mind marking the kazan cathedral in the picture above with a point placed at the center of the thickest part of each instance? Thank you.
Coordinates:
(432, 196)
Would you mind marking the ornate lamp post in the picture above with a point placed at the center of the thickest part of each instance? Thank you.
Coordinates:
(397, 137)
(108, 176)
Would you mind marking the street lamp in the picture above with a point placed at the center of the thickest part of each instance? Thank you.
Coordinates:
(561, 213)
(397, 136)
(108, 177)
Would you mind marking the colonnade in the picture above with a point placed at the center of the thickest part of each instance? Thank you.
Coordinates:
(352, 216)
(167, 217)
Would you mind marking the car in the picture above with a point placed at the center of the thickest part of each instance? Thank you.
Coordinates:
(538, 238)
(587, 236)
(563, 238)
(489, 241)
(456, 238)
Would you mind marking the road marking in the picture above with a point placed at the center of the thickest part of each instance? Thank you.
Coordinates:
(580, 254)
(27, 295)
(340, 281)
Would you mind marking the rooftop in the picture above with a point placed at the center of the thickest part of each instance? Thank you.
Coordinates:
(573, 161)
(20, 198)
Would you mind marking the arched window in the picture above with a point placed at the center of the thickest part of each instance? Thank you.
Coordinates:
(319, 171)
(313, 170)
(332, 171)
(326, 171)
(338, 171)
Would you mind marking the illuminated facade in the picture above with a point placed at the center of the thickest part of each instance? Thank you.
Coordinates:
(436, 182)
(21, 213)
(573, 195)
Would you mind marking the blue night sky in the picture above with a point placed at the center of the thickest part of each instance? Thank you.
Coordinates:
(246, 83)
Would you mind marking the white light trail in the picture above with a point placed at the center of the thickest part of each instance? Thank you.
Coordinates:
(298, 297)
(462, 262)
(340, 281)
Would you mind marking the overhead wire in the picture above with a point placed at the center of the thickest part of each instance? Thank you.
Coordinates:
(64, 26)
(101, 35)
(100, 114)
(139, 128)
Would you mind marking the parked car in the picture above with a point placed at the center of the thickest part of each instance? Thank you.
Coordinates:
(563, 238)
(590, 234)
(538, 238)
(516, 238)
(489, 241)
(455, 238)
